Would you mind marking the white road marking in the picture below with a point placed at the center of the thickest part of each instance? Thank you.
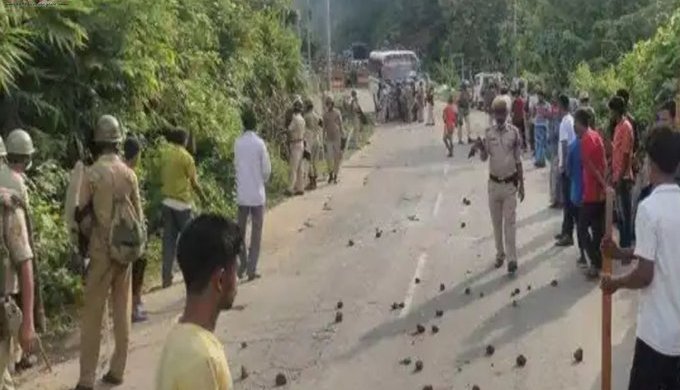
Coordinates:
(437, 203)
(412, 285)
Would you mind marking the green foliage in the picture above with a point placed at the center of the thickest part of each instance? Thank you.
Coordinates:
(649, 72)
(152, 64)
(444, 72)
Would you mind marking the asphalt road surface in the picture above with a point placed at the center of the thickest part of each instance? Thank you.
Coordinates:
(403, 185)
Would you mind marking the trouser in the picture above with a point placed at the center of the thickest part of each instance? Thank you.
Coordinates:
(250, 255)
(173, 223)
(540, 140)
(519, 124)
(430, 114)
(625, 212)
(315, 154)
(652, 370)
(6, 361)
(334, 156)
(503, 205)
(421, 112)
(464, 121)
(104, 276)
(591, 226)
(138, 268)
(296, 176)
(448, 140)
(555, 181)
(530, 135)
(356, 122)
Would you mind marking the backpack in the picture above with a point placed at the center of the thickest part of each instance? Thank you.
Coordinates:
(126, 237)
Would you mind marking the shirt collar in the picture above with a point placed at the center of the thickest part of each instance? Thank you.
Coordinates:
(666, 187)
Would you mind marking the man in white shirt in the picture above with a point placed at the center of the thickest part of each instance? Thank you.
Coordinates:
(567, 135)
(657, 274)
(253, 169)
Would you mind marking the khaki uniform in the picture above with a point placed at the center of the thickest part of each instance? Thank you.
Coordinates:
(105, 177)
(16, 249)
(313, 138)
(420, 102)
(355, 110)
(296, 143)
(503, 146)
(333, 134)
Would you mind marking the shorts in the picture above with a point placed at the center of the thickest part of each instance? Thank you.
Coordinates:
(448, 131)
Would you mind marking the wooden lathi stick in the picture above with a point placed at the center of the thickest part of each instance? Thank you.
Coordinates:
(607, 299)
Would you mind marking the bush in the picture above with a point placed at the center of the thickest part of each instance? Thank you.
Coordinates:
(189, 63)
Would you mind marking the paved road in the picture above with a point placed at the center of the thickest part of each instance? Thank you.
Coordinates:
(287, 317)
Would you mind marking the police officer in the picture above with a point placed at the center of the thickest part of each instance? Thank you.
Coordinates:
(296, 143)
(16, 322)
(333, 135)
(313, 142)
(19, 151)
(109, 176)
(502, 146)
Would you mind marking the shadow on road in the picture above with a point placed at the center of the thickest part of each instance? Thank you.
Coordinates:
(536, 308)
(455, 299)
(537, 217)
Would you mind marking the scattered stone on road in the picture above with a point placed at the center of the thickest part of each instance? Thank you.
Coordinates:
(554, 283)
(419, 365)
(338, 317)
(481, 294)
(405, 361)
(395, 306)
(435, 329)
(521, 361)
(475, 387)
(442, 287)
(516, 292)
(417, 280)
(413, 218)
(281, 380)
(462, 225)
(420, 329)
(244, 345)
(467, 291)
(378, 233)
(466, 201)
(529, 288)
(578, 355)
(339, 305)
(427, 387)
(244, 373)
(490, 350)
(350, 243)
(514, 303)
(439, 313)
(401, 305)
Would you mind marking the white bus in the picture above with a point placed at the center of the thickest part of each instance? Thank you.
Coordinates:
(391, 66)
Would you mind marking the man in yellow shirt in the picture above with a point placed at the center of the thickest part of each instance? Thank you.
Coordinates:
(193, 358)
(179, 181)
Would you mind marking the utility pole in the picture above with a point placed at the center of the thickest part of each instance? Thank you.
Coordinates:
(328, 42)
(309, 35)
(515, 70)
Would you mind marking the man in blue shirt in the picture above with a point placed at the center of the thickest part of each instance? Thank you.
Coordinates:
(574, 171)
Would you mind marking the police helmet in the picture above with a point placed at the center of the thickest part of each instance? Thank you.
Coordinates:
(19, 142)
(108, 130)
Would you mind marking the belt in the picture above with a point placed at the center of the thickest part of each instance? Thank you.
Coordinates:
(507, 180)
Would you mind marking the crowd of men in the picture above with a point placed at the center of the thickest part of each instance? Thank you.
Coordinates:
(406, 101)
(588, 164)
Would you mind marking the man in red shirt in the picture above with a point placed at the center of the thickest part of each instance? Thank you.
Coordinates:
(450, 117)
(518, 115)
(622, 168)
(592, 212)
